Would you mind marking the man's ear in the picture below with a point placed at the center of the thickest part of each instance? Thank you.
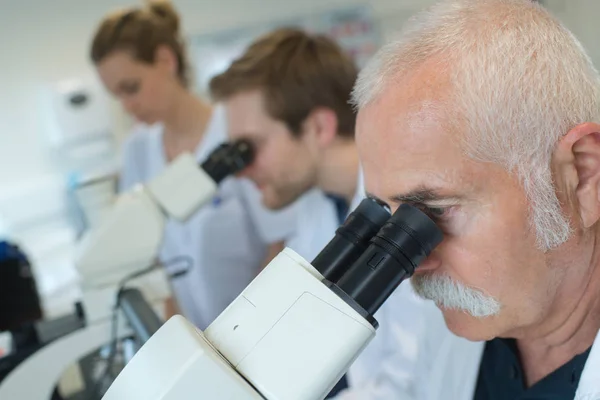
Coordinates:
(324, 124)
(577, 159)
(165, 59)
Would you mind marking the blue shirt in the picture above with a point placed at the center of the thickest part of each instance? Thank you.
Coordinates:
(341, 206)
(501, 376)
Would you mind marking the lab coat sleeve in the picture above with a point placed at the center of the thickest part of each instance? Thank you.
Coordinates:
(389, 367)
(271, 226)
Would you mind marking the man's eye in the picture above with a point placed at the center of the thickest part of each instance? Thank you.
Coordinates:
(435, 213)
(259, 143)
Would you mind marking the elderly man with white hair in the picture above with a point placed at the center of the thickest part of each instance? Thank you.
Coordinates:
(485, 114)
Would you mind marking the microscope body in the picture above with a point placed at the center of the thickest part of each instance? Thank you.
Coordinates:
(286, 336)
(297, 328)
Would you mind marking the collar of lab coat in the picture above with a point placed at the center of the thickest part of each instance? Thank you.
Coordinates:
(589, 383)
(461, 359)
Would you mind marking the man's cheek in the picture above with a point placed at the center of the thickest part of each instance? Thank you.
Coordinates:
(465, 257)
(261, 162)
(481, 265)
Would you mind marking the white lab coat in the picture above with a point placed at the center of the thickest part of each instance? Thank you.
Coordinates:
(226, 240)
(316, 224)
(451, 367)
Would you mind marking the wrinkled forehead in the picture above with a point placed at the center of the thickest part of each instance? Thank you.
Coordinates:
(406, 140)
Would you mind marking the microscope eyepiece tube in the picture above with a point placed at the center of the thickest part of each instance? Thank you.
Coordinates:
(405, 241)
(228, 159)
(351, 239)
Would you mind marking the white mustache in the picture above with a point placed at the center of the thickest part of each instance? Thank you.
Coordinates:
(450, 294)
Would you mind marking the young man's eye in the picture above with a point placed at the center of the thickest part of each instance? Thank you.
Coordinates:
(258, 142)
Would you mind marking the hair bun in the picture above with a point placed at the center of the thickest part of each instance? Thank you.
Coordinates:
(164, 10)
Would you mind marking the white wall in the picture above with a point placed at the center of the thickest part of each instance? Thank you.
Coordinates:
(583, 18)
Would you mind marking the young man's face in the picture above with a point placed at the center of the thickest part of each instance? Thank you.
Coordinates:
(285, 166)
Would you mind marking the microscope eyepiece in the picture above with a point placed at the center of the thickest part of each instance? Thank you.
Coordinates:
(351, 239)
(404, 241)
(228, 159)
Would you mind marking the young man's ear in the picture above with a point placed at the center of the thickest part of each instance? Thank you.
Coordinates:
(165, 58)
(577, 166)
(323, 123)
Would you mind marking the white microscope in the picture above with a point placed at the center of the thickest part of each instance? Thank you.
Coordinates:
(297, 328)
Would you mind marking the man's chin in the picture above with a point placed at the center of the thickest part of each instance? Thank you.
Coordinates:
(146, 120)
(466, 326)
(271, 205)
(274, 202)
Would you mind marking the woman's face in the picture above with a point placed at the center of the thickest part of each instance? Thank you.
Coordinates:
(144, 90)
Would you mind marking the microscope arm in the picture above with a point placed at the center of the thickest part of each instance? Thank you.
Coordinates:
(128, 240)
